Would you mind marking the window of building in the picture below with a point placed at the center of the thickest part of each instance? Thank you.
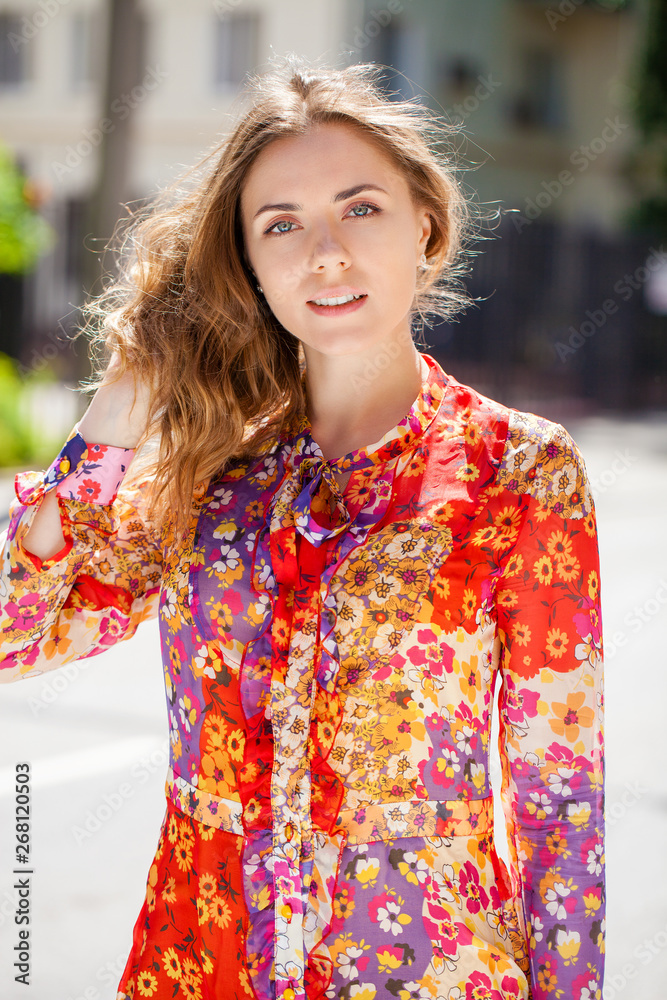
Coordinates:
(13, 45)
(236, 44)
(80, 67)
(540, 101)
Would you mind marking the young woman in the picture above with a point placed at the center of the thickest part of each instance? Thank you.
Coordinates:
(348, 551)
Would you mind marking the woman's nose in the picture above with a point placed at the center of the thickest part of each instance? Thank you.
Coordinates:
(329, 252)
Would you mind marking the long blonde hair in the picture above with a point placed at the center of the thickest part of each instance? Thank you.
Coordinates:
(184, 312)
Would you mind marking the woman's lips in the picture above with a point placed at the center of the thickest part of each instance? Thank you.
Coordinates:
(346, 307)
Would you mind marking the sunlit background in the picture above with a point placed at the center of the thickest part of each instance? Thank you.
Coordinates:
(561, 115)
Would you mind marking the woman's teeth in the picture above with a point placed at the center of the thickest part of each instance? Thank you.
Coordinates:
(337, 301)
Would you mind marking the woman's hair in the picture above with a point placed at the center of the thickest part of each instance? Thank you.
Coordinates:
(184, 312)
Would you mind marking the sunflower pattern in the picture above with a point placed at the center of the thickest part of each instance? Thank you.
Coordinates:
(331, 660)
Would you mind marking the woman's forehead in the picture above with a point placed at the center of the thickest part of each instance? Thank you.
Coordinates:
(336, 155)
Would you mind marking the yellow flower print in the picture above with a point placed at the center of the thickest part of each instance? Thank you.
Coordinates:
(206, 964)
(413, 574)
(593, 585)
(471, 681)
(568, 569)
(361, 577)
(507, 523)
(495, 959)
(507, 599)
(171, 963)
(205, 832)
(484, 536)
(184, 855)
(146, 984)
(559, 545)
(590, 526)
(215, 730)
(220, 911)
(568, 944)
(543, 570)
(168, 893)
(191, 987)
(203, 914)
(343, 905)
(514, 565)
(208, 885)
(469, 602)
(186, 832)
(557, 642)
(219, 777)
(547, 976)
(367, 871)
(440, 515)
(389, 958)
(556, 843)
(472, 433)
(415, 466)
(521, 634)
(467, 473)
(236, 744)
(571, 715)
(172, 831)
(592, 902)
(58, 641)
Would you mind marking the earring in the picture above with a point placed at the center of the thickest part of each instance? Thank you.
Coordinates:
(260, 289)
(423, 262)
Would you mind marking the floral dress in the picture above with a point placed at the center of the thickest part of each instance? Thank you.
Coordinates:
(330, 662)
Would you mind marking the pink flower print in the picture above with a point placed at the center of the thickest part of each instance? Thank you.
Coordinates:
(27, 612)
(469, 885)
(480, 987)
(112, 628)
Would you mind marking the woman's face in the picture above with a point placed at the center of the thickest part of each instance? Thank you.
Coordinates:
(328, 215)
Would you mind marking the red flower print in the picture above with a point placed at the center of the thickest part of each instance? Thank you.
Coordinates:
(89, 490)
(97, 451)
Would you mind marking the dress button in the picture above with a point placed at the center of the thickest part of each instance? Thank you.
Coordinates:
(286, 911)
(289, 994)
(289, 831)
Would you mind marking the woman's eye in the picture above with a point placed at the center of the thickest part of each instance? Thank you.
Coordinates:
(364, 210)
(283, 222)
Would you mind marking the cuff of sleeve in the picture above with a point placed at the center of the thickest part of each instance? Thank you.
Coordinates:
(89, 473)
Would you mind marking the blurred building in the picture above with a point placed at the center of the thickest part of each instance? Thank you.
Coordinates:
(543, 92)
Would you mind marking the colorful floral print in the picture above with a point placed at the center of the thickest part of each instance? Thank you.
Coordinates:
(330, 659)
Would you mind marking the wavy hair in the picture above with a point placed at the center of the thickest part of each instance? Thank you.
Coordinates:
(184, 311)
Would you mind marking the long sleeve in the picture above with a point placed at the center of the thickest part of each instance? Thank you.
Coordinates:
(103, 582)
(550, 702)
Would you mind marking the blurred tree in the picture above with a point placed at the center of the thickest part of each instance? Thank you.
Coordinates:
(111, 189)
(24, 234)
(648, 166)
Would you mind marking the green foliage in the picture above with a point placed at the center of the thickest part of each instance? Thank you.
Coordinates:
(21, 444)
(24, 234)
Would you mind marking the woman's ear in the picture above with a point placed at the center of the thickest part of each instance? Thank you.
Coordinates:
(424, 230)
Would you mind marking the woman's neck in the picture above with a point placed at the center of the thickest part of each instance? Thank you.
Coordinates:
(354, 400)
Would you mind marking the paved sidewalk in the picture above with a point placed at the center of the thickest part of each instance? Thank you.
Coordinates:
(95, 734)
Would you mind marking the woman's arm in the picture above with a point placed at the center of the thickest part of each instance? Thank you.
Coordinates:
(81, 561)
(116, 416)
(551, 736)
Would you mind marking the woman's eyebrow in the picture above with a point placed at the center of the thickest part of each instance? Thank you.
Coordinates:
(341, 196)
